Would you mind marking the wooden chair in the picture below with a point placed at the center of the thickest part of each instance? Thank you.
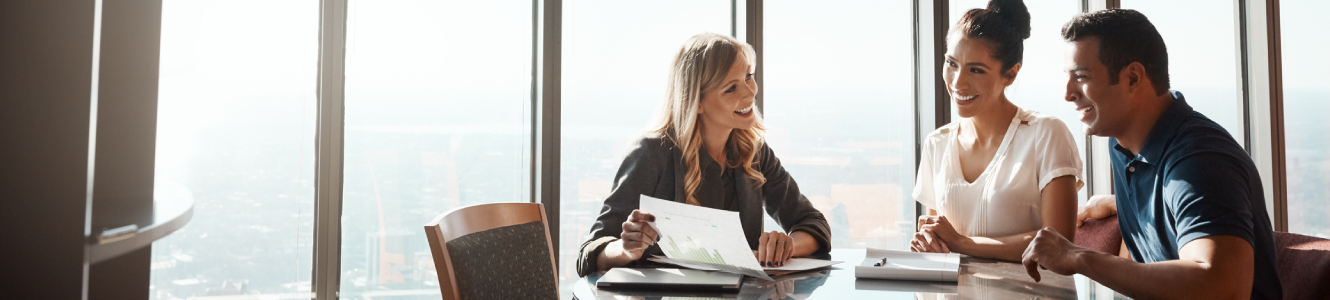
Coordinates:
(494, 251)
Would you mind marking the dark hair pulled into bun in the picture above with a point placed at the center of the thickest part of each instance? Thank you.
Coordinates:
(1004, 23)
(1015, 13)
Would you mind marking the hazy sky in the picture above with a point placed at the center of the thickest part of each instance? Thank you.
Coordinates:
(243, 72)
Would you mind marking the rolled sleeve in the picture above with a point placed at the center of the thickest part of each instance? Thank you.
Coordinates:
(591, 249)
(1060, 155)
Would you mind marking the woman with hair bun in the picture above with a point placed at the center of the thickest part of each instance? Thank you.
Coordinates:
(995, 177)
(706, 149)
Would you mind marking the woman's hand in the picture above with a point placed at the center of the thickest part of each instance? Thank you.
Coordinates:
(942, 228)
(926, 241)
(774, 249)
(636, 237)
(935, 235)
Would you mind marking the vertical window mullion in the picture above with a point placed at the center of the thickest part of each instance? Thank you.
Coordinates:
(1262, 96)
(753, 36)
(329, 146)
(1244, 89)
(932, 102)
(1263, 86)
(547, 112)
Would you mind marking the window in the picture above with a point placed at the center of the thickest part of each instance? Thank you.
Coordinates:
(615, 66)
(838, 102)
(1203, 58)
(236, 117)
(1042, 83)
(438, 97)
(439, 101)
(1307, 136)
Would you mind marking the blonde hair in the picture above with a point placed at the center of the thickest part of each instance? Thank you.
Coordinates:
(701, 66)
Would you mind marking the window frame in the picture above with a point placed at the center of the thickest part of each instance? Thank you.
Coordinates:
(1260, 86)
(331, 86)
(1263, 95)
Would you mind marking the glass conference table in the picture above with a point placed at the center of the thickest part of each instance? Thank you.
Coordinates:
(980, 278)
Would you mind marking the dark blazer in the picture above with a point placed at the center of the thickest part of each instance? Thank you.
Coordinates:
(655, 168)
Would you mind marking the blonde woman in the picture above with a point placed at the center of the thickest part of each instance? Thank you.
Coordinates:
(706, 149)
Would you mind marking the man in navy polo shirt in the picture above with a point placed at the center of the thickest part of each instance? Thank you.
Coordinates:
(1189, 199)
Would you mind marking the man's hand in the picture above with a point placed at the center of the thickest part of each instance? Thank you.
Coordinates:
(1099, 207)
(1053, 252)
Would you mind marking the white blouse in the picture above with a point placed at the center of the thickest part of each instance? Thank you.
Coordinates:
(1005, 199)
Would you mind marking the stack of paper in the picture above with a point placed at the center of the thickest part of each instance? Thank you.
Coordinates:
(710, 239)
(906, 265)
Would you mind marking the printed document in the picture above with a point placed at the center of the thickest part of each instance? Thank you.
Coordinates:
(702, 235)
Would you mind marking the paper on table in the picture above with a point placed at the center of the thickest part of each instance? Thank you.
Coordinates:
(794, 264)
(802, 264)
(906, 265)
(709, 236)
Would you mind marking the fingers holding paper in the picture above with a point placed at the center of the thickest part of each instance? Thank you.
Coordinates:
(774, 248)
(638, 234)
(639, 216)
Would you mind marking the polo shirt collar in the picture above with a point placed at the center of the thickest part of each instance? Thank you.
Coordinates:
(1164, 130)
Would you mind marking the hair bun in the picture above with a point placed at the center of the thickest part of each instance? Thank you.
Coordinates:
(1015, 13)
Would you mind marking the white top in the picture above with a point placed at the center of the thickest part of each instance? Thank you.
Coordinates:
(1005, 199)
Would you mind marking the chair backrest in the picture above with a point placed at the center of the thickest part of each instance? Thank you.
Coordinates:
(494, 251)
(1304, 265)
(1101, 235)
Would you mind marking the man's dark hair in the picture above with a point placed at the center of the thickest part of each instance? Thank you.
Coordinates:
(1125, 36)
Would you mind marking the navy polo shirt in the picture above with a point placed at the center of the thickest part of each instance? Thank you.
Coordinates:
(1192, 180)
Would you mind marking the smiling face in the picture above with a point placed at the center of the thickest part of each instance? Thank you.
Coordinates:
(1104, 107)
(974, 78)
(731, 104)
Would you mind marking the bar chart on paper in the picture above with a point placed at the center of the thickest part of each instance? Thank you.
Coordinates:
(698, 234)
(696, 254)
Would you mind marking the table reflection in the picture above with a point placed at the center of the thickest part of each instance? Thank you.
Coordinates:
(979, 279)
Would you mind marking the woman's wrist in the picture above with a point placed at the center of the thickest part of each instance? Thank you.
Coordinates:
(804, 243)
(611, 257)
(962, 244)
